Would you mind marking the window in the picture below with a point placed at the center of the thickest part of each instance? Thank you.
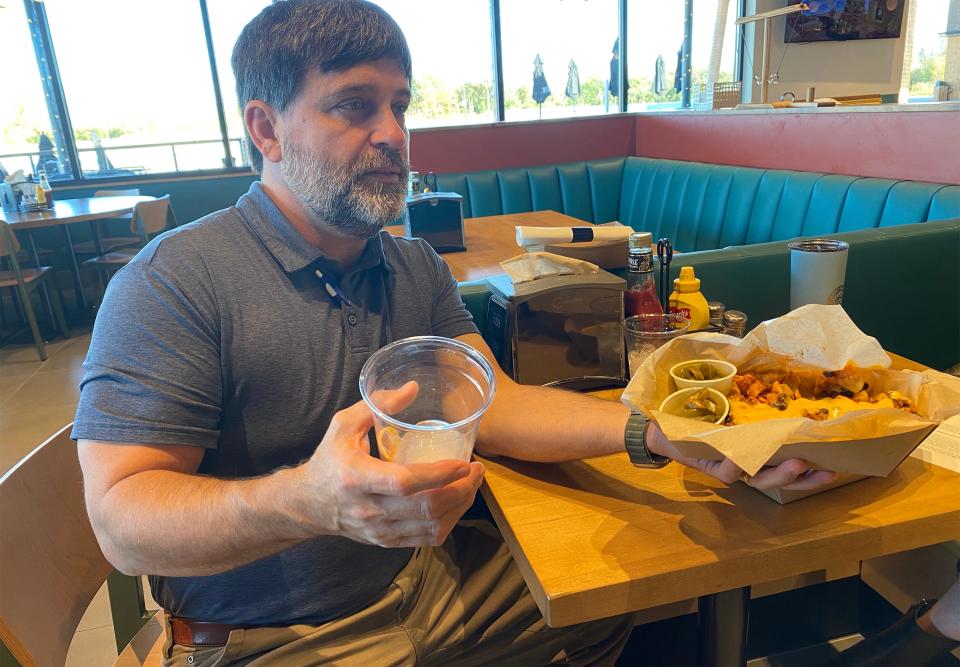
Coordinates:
(31, 135)
(452, 61)
(140, 94)
(227, 19)
(709, 43)
(655, 35)
(573, 41)
(925, 52)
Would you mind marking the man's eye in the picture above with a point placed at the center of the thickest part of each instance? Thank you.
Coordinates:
(353, 105)
(400, 108)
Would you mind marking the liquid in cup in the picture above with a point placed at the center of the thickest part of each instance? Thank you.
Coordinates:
(455, 386)
(645, 333)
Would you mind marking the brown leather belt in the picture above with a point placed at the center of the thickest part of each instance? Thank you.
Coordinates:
(199, 633)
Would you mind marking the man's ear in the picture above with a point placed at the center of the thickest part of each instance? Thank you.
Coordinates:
(261, 121)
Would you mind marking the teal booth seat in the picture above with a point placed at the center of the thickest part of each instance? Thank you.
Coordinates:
(902, 286)
(705, 206)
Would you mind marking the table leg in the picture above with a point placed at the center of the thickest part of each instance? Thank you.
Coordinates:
(97, 234)
(77, 282)
(722, 620)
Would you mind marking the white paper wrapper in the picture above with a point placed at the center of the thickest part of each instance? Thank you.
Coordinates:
(534, 265)
(813, 336)
(538, 236)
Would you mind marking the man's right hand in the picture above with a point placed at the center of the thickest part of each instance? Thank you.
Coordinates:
(347, 492)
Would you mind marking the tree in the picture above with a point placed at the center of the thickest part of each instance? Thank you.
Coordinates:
(477, 97)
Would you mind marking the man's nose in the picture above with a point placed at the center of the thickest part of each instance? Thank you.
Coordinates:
(389, 130)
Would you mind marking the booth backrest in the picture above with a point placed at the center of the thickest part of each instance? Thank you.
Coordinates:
(705, 206)
(586, 190)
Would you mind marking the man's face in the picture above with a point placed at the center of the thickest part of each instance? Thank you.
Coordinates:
(345, 147)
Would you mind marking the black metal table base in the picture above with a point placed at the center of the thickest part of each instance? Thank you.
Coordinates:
(722, 621)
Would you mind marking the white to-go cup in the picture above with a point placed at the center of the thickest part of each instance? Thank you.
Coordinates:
(818, 268)
(455, 386)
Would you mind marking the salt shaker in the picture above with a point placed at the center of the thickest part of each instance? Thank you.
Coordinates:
(716, 313)
(734, 323)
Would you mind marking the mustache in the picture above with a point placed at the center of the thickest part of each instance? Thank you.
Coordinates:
(381, 158)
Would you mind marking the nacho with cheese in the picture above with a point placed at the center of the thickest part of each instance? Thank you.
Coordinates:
(779, 392)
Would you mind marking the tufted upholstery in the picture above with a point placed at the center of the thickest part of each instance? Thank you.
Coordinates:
(705, 206)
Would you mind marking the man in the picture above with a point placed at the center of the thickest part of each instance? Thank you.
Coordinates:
(229, 348)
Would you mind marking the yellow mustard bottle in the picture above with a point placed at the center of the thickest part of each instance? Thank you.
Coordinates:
(687, 300)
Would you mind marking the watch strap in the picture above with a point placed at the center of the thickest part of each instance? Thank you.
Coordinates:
(635, 441)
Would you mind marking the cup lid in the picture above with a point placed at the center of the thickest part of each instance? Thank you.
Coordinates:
(818, 245)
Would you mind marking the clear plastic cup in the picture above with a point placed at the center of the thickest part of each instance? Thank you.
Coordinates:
(455, 386)
(645, 333)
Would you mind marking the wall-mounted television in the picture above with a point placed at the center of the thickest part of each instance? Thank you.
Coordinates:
(840, 20)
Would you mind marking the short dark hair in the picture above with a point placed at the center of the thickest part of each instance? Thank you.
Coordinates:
(292, 37)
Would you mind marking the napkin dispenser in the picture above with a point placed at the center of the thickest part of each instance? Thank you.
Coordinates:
(557, 328)
(437, 218)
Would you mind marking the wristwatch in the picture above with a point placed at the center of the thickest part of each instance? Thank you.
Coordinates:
(635, 440)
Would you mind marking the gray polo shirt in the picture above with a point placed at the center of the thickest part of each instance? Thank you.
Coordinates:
(220, 335)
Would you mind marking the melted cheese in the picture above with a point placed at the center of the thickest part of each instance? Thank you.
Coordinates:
(743, 413)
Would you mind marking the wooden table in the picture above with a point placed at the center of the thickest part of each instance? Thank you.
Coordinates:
(492, 239)
(597, 538)
(66, 212)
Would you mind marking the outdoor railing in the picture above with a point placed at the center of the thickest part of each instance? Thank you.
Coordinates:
(237, 150)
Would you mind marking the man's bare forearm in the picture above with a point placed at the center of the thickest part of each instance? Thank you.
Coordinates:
(544, 424)
(176, 524)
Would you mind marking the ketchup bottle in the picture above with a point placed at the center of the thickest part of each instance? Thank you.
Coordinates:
(641, 295)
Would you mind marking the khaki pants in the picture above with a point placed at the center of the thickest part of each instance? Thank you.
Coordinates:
(464, 603)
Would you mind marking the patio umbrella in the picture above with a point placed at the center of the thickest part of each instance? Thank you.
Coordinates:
(541, 91)
(48, 155)
(573, 81)
(678, 75)
(659, 76)
(614, 85)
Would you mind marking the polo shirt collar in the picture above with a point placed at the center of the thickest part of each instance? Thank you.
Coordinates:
(285, 243)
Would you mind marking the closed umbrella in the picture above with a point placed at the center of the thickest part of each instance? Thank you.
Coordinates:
(103, 162)
(541, 91)
(614, 85)
(48, 155)
(678, 75)
(573, 81)
(659, 77)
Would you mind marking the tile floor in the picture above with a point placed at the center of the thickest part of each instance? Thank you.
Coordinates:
(37, 398)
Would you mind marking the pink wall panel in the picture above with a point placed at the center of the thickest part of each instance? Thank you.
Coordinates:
(521, 144)
(915, 145)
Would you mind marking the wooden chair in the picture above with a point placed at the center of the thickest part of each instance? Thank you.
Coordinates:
(107, 242)
(53, 566)
(149, 219)
(24, 281)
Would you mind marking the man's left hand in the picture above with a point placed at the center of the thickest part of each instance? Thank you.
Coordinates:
(791, 475)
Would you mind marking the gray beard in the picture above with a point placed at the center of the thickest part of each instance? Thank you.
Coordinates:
(338, 195)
